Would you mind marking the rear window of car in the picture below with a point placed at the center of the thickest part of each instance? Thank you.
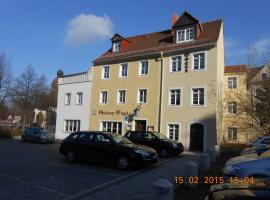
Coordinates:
(136, 135)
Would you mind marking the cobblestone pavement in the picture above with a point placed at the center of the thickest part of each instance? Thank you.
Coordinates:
(140, 187)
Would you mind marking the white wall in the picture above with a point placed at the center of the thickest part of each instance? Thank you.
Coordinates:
(73, 84)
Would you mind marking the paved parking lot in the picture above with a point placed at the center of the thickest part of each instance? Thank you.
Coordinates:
(38, 171)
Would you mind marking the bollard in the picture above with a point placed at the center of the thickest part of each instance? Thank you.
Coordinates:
(217, 149)
(212, 154)
(191, 174)
(163, 190)
(204, 162)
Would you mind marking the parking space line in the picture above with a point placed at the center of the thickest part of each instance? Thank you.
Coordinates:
(34, 186)
(87, 170)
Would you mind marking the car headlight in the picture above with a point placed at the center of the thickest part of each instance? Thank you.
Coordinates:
(231, 169)
(142, 153)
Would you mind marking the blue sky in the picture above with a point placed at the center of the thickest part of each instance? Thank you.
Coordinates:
(71, 34)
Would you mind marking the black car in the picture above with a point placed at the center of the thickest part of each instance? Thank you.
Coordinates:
(260, 189)
(102, 146)
(163, 145)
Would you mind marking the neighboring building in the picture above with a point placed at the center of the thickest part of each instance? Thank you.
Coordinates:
(73, 106)
(168, 81)
(235, 92)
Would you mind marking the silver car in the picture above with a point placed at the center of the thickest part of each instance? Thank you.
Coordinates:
(249, 165)
(37, 135)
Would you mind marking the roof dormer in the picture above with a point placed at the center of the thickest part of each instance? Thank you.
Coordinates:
(185, 28)
(118, 43)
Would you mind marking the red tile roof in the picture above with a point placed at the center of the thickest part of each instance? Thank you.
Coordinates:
(162, 41)
(235, 69)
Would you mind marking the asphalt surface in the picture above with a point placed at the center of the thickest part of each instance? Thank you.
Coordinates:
(37, 171)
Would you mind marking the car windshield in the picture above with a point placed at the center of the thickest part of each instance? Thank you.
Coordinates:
(120, 139)
(266, 154)
(255, 140)
(160, 135)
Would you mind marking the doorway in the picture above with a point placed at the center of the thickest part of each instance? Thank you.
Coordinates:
(196, 137)
(140, 125)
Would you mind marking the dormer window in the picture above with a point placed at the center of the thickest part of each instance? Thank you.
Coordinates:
(116, 46)
(184, 35)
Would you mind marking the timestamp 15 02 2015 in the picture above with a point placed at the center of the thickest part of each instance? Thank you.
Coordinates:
(213, 180)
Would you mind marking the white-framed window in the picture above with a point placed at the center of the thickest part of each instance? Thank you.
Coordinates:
(113, 127)
(79, 98)
(199, 61)
(232, 82)
(175, 97)
(197, 96)
(176, 64)
(116, 46)
(173, 131)
(67, 98)
(142, 95)
(232, 133)
(123, 71)
(232, 107)
(103, 97)
(106, 72)
(184, 35)
(121, 96)
(143, 70)
(72, 126)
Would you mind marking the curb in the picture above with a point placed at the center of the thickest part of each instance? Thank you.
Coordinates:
(98, 188)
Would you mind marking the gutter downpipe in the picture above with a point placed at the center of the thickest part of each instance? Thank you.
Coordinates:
(160, 91)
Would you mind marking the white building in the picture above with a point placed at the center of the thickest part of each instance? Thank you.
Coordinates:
(73, 103)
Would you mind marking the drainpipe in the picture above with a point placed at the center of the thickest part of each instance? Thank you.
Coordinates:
(160, 91)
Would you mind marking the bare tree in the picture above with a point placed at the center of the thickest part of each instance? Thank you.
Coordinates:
(5, 77)
(28, 93)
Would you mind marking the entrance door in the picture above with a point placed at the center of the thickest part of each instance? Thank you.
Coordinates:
(140, 125)
(196, 137)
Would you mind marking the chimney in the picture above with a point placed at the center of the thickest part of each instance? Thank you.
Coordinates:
(175, 17)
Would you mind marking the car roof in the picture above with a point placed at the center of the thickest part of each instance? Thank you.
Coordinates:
(102, 132)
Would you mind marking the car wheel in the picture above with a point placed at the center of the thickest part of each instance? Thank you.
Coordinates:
(164, 153)
(122, 162)
(70, 157)
(38, 140)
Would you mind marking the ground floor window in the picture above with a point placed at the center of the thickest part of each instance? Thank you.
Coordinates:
(173, 130)
(232, 133)
(113, 127)
(72, 125)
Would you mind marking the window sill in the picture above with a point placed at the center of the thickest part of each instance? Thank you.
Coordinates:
(198, 106)
(143, 75)
(174, 106)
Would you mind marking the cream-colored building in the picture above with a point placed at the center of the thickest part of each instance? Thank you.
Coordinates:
(235, 121)
(168, 81)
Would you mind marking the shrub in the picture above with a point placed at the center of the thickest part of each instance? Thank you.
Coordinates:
(9, 132)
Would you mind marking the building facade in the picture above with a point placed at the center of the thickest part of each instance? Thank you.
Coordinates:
(168, 81)
(73, 106)
(235, 120)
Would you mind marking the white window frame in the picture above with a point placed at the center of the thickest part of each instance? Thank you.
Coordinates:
(71, 123)
(184, 32)
(232, 133)
(232, 107)
(138, 95)
(140, 68)
(121, 70)
(231, 77)
(205, 61)
(119, 96)
(103, 72)
(169, 96)
(171, 63)
(179, 130)
(191, 96)
(116, 46)
(111, 126)
(79, 98)
(67, 98)
(101, 97)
